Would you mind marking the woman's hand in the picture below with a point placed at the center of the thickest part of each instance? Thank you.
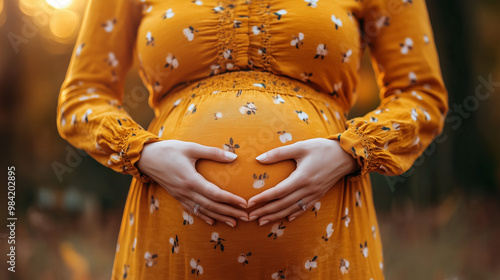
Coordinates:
(171, 163)
(321, 163)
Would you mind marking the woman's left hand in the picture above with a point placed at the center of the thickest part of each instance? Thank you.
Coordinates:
(321, 163)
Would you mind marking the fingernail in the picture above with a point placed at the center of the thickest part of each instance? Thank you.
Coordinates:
(263, 223)
(208, 222)
(230, 155)
(262, 157)
(244, 219)
(230, 224)
(242, 206)
(291, 219)
(253, 218)
(250, 204)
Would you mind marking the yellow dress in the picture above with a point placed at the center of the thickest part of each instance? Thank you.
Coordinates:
(249, 76)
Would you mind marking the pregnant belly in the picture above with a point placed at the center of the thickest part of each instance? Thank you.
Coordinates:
(248, 123)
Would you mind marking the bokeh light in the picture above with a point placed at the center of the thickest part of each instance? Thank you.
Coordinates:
(59, 4)
(63, 24)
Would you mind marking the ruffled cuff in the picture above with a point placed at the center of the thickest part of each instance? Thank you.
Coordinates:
(352, 142)
(130, 145)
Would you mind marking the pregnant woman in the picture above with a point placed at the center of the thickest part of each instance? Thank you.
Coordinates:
(250, 168)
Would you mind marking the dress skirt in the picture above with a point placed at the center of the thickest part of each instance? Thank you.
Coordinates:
(248, 113)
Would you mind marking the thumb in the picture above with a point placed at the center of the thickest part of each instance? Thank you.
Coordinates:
(212, 153)
(281, 153)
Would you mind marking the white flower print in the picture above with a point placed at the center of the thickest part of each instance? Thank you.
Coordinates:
(346, 217)
(277, 99)
(157, 87)
(191, 109)
(406, 46)
(131, 219)
(175, 244)
(336, 88)
(373, 119)
(344, 266)
(114, 158)
(91, 90)
(346, 56)
(85, 117)
(257, 29)
(188, 219)
(196, 267)
(261, 85)
(109, 25)
(150, 40)
(231, 147)
(312, 3)
(303, 116)
(329, 232)
(150, 259)
(337, 21)
(147, 8)
(426, 114)
(414, 93)
(228, 54)
(358, 199)
(316, 208)
(304, 76)
(284, 136)
(217, 240)
(126, 269)
(277, 230)
(79, 49)
(280, 13)
(111, 60)
(321, 51)
(171, 61)
(407, 1)
(214, 69)
(396, 126)
(426, 39)
(168, 14)
(260, 180)
(324, 116)
(189, 33)
(374, 232)
(416, 140)
(381, 265)
(199, 3)
(218, 9)
(177, 102)
(382, 21)
(412, 77)
(229, 66)
(154, 204)
(243, 258)
(364, 249)
(217, 115)
(414, 114)
(248, 109)
(134, 244)
(310, 264)
(297, 40)
(279, 275)
(117, 247)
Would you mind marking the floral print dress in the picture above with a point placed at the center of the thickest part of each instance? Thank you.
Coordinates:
(249, 76)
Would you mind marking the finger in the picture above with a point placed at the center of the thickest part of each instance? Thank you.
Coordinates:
(207, 219)
(212, 153)
(279, 204)
(292, 209)
(228, 220)
(294, 215)
(282, 189)
(215, 193)
(291, 151)
(221, 209)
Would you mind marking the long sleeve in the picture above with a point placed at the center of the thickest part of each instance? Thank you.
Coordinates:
(90, 115)
(414, 100)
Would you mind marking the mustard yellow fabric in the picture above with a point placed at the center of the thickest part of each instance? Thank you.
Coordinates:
(249, 76)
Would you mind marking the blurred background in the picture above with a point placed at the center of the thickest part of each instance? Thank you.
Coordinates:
(440, 220)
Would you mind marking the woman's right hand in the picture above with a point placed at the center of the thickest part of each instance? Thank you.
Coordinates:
(171, 164)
